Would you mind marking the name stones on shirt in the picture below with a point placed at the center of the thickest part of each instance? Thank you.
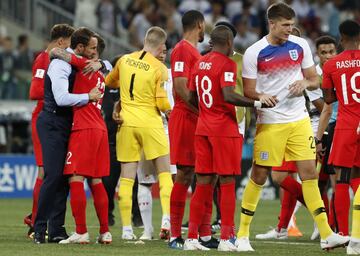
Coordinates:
(205, 65)
(348, 64)
(137, 64)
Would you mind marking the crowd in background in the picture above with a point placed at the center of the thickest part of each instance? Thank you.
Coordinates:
(134, 17)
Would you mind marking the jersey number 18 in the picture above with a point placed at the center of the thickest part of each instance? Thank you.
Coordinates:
(206, 86)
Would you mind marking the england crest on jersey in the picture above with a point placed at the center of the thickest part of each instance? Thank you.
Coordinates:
(294, 54)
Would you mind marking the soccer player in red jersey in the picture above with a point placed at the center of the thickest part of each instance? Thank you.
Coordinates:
(59, 37)
(182, 124)
(88, 152)
(218, 143)
(341, 77)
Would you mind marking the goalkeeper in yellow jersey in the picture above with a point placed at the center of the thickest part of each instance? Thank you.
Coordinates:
(141, 76)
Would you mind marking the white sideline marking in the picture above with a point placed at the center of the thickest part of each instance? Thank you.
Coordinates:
(286, 243)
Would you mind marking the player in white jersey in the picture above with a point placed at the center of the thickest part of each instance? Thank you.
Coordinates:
(147, 176)
(276, 71)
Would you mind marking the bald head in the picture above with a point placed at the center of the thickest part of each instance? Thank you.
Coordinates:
(221, 35)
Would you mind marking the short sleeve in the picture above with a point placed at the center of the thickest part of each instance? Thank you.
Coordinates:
(249, 66)
(181, 62)
(162, 77)
(38, 78)
(228, 74)
(327, 82)
(192, 82)
(307, 61)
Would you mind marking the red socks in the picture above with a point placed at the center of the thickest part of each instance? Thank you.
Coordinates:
(332, 212)
(294, 187)
(287, 208)
(203, 194)
(78, 205)
(325, 199)
(36, 192)
(205, 227)
(227, 207)
(101, 205)
(342, 207)
(177, 207)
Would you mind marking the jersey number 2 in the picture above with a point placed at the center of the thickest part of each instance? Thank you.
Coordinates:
(206, 96)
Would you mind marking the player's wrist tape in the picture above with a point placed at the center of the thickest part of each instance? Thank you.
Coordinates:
(257, 104)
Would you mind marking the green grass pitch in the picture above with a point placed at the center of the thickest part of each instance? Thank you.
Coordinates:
(13, 239)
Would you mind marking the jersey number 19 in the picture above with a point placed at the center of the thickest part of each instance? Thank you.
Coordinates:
(353, 87)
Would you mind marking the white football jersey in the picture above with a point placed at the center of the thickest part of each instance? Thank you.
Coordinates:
(275, 68)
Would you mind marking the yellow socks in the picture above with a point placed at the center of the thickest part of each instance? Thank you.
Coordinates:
(356, 216)
(316, 207)
(166, 185)
(249, 202)
(125, 200)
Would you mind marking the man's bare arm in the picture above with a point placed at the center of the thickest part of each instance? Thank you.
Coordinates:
(250, 92)
(329, 95)
(181, 89)
(59, 53)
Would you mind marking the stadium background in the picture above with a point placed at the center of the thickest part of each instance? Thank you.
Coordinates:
(25, 25)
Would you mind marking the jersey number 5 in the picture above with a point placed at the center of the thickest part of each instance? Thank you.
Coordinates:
(353, 87)
(206, 96)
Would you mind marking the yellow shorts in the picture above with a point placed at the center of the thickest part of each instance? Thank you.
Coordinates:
(131, 140)
(291, 141)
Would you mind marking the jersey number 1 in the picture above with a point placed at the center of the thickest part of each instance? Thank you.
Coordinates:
(206, 96)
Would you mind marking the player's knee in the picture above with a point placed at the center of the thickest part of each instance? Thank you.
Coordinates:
(259, 176)
(226, 179)
(276, 177)
(184, 175)
(344, 176)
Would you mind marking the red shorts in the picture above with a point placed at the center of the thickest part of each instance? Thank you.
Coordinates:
(88, 154)
(218, 155)
(287, 166)
(36, 140)
(182, 126)
(345, 149)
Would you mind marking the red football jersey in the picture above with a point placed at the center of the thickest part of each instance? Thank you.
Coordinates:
(183, 58)
(211, 73)
(342, 72)
(87, 116)
(39, 69)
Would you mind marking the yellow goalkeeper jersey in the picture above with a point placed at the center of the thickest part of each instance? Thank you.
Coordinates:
(141, 78)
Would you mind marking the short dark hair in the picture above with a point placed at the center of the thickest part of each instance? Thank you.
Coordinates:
(101, 44)
(220, 35)
(22, 39)
(61, 30)
(190, 19)
(81, 36)
(280, 10)
(349, 28)
(228, 25)
(325, 40)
